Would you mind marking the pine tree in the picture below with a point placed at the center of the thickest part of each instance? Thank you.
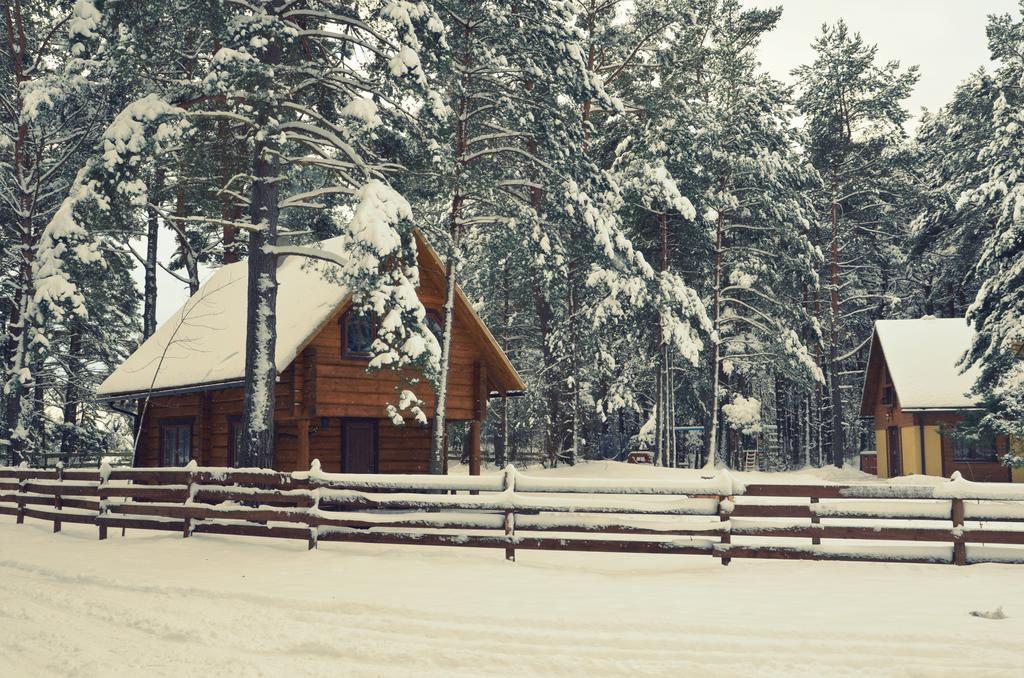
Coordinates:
(948, 232)
(51, 112)
(998, 310)
(855, 118)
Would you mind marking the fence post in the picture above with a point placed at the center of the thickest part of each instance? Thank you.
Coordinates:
(510, 512)
(102, 498)
(58, 501)
(313, 512)
(186, 530)
(815, 520)
(959, 542)
(20, 519)
(725, 506)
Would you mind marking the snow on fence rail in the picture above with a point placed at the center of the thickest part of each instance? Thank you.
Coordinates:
(954, 522)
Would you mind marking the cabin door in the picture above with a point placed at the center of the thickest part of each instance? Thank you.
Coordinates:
(892, 440)
(359, 446)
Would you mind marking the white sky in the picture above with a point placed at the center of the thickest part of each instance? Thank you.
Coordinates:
(945, 38)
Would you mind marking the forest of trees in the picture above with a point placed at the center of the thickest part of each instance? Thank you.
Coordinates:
(660, 234)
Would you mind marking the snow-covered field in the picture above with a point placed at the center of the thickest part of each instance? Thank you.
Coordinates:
(154, 604)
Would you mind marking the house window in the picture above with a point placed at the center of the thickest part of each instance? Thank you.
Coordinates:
(435, 323)
(888, 390)
(175, 442)
(357, 335)
(974, 448)
(235, 441)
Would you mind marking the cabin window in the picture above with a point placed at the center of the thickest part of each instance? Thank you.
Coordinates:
(980, 448)
(888, 392)
(175, 442)
(357, 335)
(235, 440)
(435, 323)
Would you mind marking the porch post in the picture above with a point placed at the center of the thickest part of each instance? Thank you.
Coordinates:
(302, 456)
(474, 447)
(479, 414)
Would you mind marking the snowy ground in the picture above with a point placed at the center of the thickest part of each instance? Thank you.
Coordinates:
(157, 605)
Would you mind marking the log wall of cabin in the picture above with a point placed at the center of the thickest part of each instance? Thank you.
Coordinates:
(401, 449)
(211, 413)
(320, 389)
(345, 389)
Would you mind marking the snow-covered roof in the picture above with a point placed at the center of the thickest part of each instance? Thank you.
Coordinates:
(923, 359)
(204, 341)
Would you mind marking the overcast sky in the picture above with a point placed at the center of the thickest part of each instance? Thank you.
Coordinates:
(945, 38)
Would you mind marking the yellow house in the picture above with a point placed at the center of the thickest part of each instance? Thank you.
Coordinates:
(917, 395)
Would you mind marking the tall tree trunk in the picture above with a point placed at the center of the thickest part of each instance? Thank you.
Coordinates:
(833, 349)
(661, 452)
(261, 310)
(545, 319)
(659, 409)
(501, 431)
(188, 256)
(69, 438)
(149, 295)
(230, 211)
(711, 437)
(437, 447)
(19, 380)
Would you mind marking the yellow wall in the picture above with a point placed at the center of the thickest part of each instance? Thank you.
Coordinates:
(910, 439)
(932, 451)
(882, 453)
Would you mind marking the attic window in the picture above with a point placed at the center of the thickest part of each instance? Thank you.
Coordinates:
(435, 323)
(888, 390)
(357, 334)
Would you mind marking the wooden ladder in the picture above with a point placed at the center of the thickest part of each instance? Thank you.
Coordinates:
(750, 460)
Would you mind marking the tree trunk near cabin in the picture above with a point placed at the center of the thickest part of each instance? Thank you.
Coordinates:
(261, 309)
(437, 455)
(437, 446)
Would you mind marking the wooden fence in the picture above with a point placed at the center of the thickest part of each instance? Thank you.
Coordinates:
(952, 522)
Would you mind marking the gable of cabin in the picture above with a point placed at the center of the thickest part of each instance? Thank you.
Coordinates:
(322, 391)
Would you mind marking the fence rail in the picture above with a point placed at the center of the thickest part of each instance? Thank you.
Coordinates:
(955, 521)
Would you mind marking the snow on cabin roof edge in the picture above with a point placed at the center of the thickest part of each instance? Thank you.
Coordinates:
(202, 344)
(923, 356)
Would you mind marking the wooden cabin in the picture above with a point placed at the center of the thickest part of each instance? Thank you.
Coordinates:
(327, 405)
(916, 394)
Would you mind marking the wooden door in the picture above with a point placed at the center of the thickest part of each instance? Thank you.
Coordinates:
(892, 439)
(359, 446)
